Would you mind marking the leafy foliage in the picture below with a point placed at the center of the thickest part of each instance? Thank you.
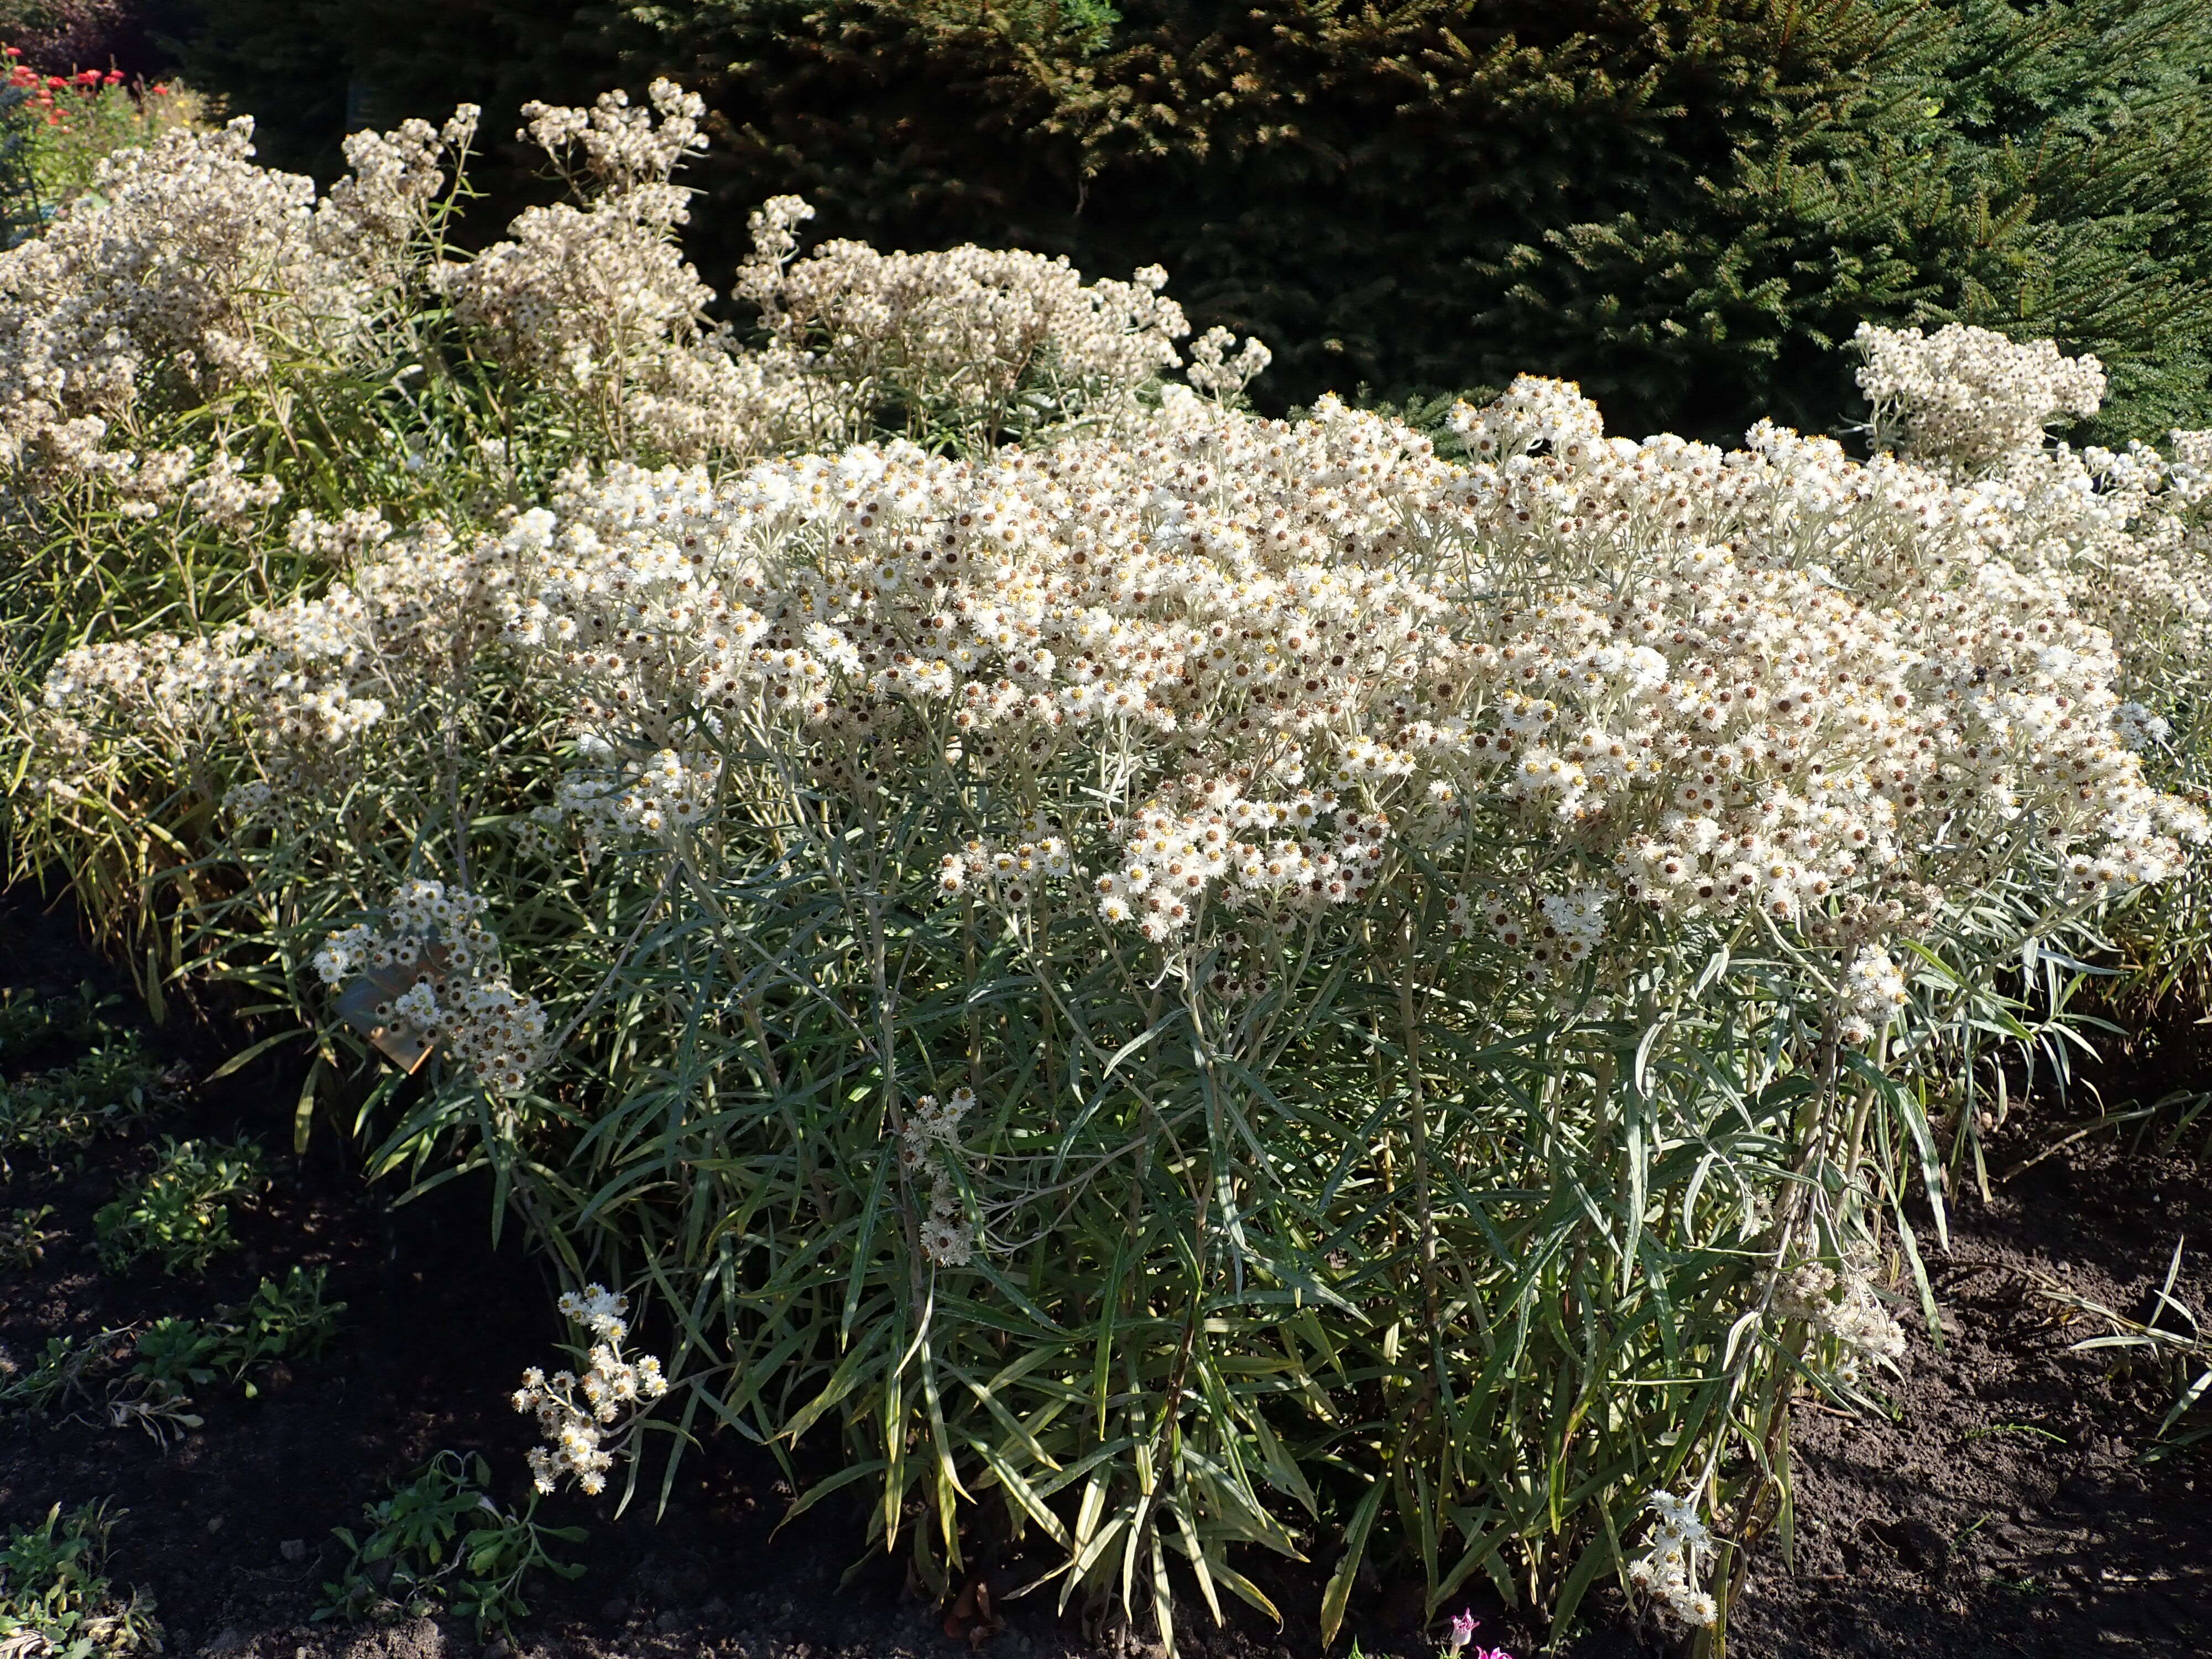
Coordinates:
(54, 1598)
(440, 1543)
(1370, 1218)
(64, 1372)
(177, 1212)
(46, 1113)
(281, 1322)
(24, 1235)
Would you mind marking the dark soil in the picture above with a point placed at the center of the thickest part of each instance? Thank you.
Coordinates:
(2019, 1504)
(2008, 1510)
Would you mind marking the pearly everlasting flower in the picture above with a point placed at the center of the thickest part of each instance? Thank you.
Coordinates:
(928, 1143)
(452, 988)
(1329, 668)
(577, 1414)
(1840, 1303)
(1211, 369)
(1872, 993)
(1970, 395)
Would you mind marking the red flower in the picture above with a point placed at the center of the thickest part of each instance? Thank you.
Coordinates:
(112, 78)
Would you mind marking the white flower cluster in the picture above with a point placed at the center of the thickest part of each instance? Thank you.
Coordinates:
(575, 1413)
(382, 213)
(222, 499)
(1970, 395)
(623, 147)
(1843, 1306)
(454, 988)
(303, 683)
(338, 542)
(930, 1137)
(595, 296)
(188, 264)
(140, 486)
(1677, 1551)
(184, 259)
(964, 336)
(1872, 993)
(1213, 369)
(1315, 644)
(2127, 535)
(659, 797)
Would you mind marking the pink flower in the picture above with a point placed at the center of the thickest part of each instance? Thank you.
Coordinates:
(1462, 1631)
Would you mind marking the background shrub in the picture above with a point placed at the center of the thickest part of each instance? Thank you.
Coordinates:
(1687, 208)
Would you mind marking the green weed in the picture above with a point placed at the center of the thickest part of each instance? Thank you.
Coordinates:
(24, 1236)
(440, 1542)
(64, 1372)
(43, 1114)
(177, 1210)
(55, 1601)
(280, 1322)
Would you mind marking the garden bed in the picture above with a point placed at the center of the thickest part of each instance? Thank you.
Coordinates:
(2008, 1510)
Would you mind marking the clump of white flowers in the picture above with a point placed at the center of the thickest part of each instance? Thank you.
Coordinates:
(1840, 1303)
(306, 684)
(974, 339)
(576, 1414)
(1675, 1553)
(1970, 394)
(183, 259)
(1872, 993)
(594, 295)
(1314, 650)
(1214, 369)
(928, 1141)
(445, 981)
(1170, 721)
(2124, 534)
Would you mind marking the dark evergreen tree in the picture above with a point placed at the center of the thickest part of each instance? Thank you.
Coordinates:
(1685, 204)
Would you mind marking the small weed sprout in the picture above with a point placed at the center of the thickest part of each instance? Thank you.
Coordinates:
(64, 1372)
(177, 1210)
(174, 1356)
(439, 1542)
(24, 1023)
(48, 1112)
(54, 1598)
(280, 1322)
(24, 1236)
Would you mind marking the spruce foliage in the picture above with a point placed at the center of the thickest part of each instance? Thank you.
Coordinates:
(1685, 204)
